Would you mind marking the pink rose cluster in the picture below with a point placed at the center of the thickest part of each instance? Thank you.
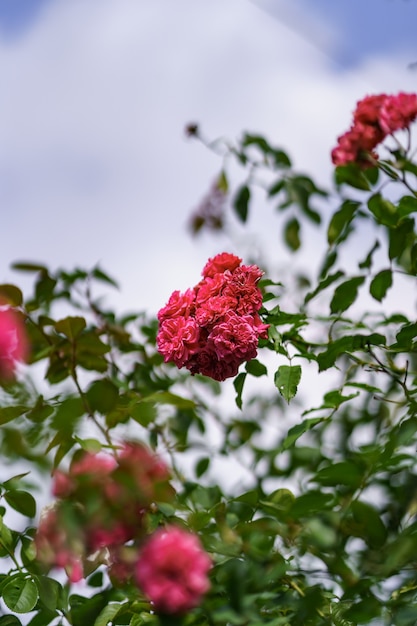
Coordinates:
(99, 518)
(374, 118)
(13, 342)
(214, 327)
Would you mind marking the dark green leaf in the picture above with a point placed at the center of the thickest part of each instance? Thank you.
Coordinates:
(345, 294)
(238, 383)
(370, 526)
(295, 432)
(367, 262)
(343, 473)
(255, 368)
(102, 396)
(292, 234)
(380, 284)
(323, 284)
(341, 219)
(407, 205)
(241, 203)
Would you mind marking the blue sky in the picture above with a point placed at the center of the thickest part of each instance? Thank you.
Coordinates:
(94, 165)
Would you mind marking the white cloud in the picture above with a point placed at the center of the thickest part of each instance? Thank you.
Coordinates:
(94, 166)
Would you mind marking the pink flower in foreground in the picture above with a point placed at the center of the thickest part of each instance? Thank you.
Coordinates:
(178, 304)
(13, 342)
(172, 570)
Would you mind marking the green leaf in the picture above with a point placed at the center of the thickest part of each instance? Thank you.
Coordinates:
(351, 175)
(311, 502)
(20, 594)
(102, 396)
(343, 473)
(10, 620)
(380, 284)
(287, 379)
(369, 524)
(292, 234)
(255, 368)
(11, 295)
(28, 267)
(407, 205)
(98, 274)
(49, 592)
(107, 614)
(22, 502)
(295, 432)
(238, 383)
(341, 219)
(347, 344)
(400, 238)
(323, 284)
(367, 262)
(384, 211)
(71, 327)
(9, 413)
(345, 294)
(241, 203)
(202, 466)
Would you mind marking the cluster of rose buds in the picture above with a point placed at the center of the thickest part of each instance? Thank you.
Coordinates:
(13, 342)
(374, 118)
(215, 327)
(99, 518)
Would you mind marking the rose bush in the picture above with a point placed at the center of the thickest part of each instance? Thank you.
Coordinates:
(172, 507)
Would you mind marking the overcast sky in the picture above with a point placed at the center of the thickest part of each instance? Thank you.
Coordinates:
(95, 94)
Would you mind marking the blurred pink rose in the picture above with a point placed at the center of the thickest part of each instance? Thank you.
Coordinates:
(172, 570)
(13, 342)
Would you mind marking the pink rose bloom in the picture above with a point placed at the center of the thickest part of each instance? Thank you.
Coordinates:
(13, 342)
(172, 571)
(398, 112)
(178, 304)
(177, 339)
(142, 475)
(214, 308)
(207, 362)
(220, 263)
(355, 143)
(53, 547)
(368, 109)
(211, 286)
(235, 338)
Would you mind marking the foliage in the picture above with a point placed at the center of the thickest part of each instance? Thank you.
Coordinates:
(318, 523)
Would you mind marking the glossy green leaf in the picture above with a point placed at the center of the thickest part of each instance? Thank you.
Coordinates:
(102, 395)
(20, 594)
(297, 431)
(21, 501)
